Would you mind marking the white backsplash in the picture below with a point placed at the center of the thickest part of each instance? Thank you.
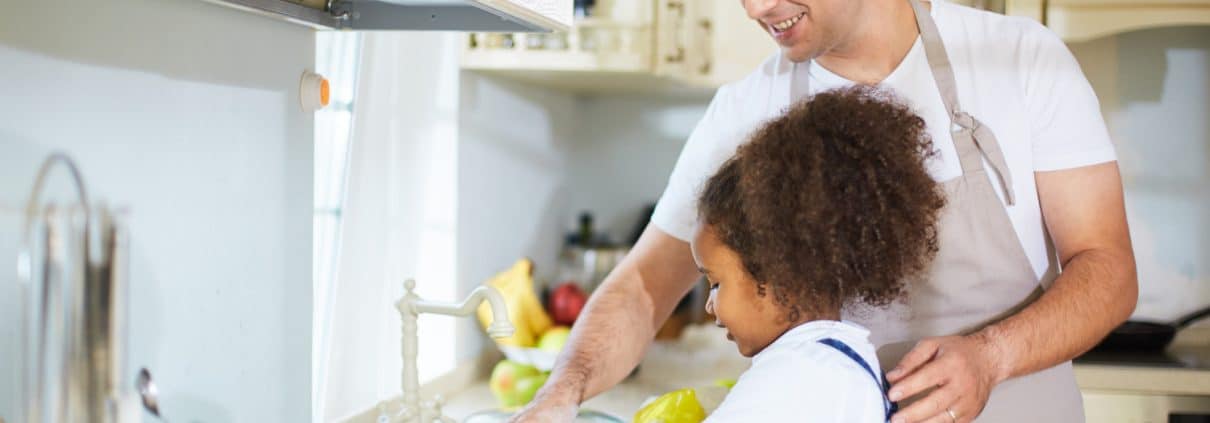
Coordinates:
(612, 155)
(531, 159)
(186, 113)
(1154, 88)
(616, 152)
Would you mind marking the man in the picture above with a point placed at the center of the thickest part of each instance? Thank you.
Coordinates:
(1031, 185)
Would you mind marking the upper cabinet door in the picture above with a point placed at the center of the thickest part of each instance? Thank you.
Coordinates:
(708, 43)
(649, 47)
(1081, 20)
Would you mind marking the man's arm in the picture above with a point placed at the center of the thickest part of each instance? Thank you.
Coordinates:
(617, 325)
(1085, 214)
(1098, 289)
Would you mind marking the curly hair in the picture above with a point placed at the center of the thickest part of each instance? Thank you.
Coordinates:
(830, 204)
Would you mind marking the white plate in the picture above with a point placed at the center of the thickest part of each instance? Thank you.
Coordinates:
(543, 360)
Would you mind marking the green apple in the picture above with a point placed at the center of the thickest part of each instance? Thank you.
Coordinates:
(505, 379)
(554, 339)
(527, 387)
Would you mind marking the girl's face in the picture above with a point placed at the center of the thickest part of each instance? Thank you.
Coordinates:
(752, 321)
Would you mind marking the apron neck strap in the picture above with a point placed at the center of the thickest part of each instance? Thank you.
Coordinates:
(934, 49)
(939, 61)
(972, 140)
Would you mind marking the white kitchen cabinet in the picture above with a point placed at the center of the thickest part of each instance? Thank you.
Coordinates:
(1082, 20)
(657, 47)
(708, 43)
(1131, 407)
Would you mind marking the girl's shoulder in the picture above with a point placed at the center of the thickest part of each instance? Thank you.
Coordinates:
(805, 356)
(805, 383)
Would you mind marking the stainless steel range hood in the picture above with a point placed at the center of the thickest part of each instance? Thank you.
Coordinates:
(418, 15)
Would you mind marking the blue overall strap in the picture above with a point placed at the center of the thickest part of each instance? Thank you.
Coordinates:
(887, 405)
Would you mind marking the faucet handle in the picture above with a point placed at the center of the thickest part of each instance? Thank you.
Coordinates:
(409, 285)
(384, 413)
(434, 407)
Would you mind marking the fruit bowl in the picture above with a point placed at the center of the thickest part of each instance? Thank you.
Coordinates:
(543, 355)
(542, 359)
(537, 337)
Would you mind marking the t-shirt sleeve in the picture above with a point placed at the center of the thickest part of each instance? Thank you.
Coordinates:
(676, 212)
(787, 387)
(1067, 128)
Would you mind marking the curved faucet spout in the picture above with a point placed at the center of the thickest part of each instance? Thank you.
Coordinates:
(500, 327)
(410, 307)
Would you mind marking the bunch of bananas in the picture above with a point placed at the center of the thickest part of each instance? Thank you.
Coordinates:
(525, 311)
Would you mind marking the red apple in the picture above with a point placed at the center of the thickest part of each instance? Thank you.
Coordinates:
(565, 304)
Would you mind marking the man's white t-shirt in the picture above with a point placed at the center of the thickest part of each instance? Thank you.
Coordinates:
(1013, 74)
(798, 379)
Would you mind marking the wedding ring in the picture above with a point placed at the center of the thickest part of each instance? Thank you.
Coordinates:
(953, 416)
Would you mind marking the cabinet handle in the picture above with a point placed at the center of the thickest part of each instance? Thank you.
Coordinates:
(706, 39)
(676, 58)
(678, 32)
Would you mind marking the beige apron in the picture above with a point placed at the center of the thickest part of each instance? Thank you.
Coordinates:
(981, 273)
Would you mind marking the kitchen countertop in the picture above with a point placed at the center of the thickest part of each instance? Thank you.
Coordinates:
(622, 401)
(1143, 380)
(1184, 369)
(698, 359)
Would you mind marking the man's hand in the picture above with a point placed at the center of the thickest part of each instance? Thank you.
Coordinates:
(1086, 218)
(546, 411)
(962, 369)
(557, 402)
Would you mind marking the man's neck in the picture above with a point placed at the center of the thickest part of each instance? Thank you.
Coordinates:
(877, 45)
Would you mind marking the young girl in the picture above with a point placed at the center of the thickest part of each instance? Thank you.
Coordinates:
(828, 207)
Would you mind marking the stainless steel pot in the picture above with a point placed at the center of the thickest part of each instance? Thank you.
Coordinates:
(588, 266)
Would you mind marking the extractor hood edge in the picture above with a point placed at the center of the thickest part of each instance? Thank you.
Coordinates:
(376, 15)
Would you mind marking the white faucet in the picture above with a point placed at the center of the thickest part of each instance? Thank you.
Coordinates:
(410, 307)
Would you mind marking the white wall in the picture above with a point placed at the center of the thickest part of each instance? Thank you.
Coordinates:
(534, 159)
(1154, 87)
(622, 156)
(513, 158)
(1155, 91)
(186, 113)
(531, 159)
(399, 223)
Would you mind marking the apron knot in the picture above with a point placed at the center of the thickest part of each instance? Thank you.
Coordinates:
(965, 120)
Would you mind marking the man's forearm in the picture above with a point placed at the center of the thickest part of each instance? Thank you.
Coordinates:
(1096, 292)
(607, 342)
(621, 318)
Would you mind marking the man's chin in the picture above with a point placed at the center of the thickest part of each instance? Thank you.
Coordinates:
(796, 56)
